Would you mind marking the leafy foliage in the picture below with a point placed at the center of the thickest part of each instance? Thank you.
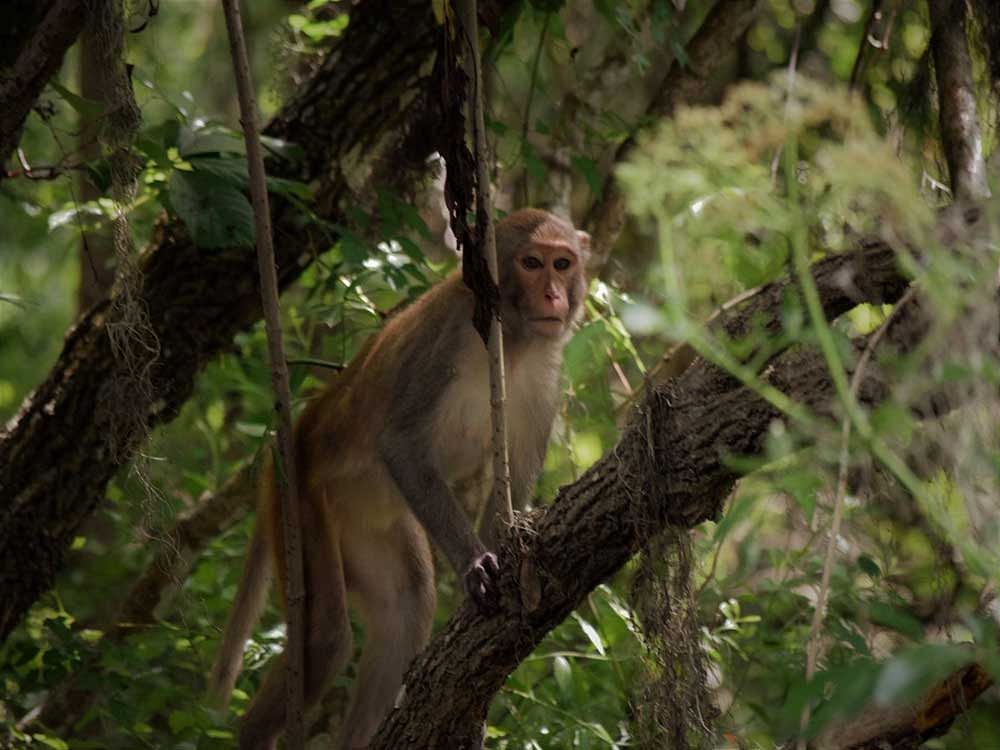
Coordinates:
(722, 198)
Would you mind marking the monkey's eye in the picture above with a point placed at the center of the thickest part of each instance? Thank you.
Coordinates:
(561, 264)
(531, 263)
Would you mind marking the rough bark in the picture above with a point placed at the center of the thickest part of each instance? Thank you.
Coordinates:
(361, 119)
(716, 38)
(35, 38)
(668, 468)
(960, 133)
(97, 247)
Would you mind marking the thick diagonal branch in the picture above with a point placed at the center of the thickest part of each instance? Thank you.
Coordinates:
(669, 467)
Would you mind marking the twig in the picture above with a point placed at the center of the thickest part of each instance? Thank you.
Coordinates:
(315, 362)
(812, 649)
(484, 211)
(793, 62)
(286, 481)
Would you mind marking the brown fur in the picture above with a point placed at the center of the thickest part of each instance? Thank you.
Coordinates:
(391, 441)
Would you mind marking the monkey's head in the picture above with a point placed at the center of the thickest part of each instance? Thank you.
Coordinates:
(542, 281)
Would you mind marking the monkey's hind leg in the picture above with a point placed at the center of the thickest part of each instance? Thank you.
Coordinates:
(392, 573)
(328, 636)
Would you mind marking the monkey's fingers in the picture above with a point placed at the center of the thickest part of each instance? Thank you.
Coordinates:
(481, 582)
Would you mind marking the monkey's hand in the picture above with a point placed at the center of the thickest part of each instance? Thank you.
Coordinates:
(481, 582)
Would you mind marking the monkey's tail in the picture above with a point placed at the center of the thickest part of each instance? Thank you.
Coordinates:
(251, 597)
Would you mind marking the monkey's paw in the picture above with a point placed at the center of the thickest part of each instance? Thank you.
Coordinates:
(481, 580)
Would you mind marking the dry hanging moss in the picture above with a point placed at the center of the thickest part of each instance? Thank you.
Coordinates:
(133, 340)
(671, 701)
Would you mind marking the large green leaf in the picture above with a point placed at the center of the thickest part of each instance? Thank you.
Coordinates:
(215, 212)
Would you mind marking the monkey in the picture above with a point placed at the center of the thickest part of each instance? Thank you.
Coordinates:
(381, 455)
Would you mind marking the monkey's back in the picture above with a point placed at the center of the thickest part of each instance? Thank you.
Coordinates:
(337, 435)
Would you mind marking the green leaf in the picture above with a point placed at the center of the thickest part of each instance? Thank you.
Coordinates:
(607, 9)
(291, 188)
(563, 672)
(591, 632)
(253, 429)
(532, 162)
(53, 742)
(353, 248)
(85, 214)
(216, 213)
(157, 141)
(895, 618)
(208, 140)
(89, 108)
(181, 720)
(284, 149)
(317, 31)
(852, 687)
(231, 170)
(869, 567)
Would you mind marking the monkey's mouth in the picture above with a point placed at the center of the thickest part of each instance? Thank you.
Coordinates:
(547, 325)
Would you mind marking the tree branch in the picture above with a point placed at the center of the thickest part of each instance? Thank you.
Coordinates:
(39, 53)
(960, 134)
(668, 468)
(909, 726)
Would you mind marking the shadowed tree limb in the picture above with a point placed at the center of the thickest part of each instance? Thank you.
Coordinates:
(30, 57)
(909, 726)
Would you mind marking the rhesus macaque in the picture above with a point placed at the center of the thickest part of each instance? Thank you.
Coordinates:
(383, 456)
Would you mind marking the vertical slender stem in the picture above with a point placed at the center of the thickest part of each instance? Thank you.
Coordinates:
(484, 209)
(286, 480)
(531, 95)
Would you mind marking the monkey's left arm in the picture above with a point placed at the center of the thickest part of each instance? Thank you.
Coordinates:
(434, 505)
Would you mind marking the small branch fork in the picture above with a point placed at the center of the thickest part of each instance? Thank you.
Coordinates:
(286, 481)
(486, 238)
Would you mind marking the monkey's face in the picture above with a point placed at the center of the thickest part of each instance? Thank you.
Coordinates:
(548, 275)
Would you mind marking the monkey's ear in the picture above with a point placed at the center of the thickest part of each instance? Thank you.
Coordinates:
(583, 240)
